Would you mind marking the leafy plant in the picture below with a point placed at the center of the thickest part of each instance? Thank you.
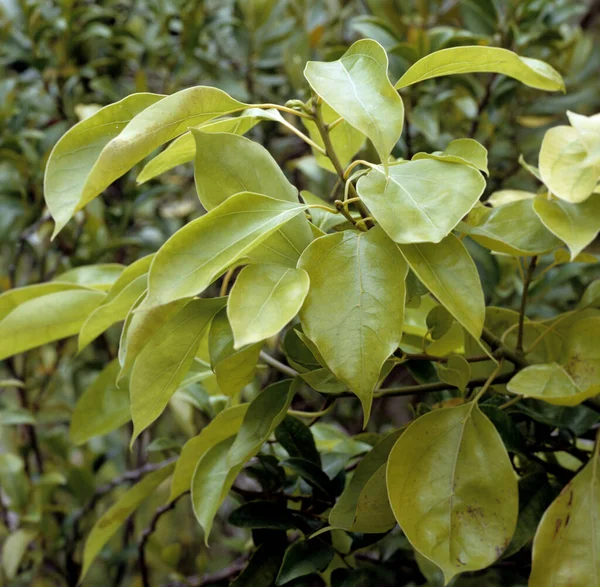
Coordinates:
(338, 293)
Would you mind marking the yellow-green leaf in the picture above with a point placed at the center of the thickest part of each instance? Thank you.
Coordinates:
(357, 87)
(101, 276)
(115, 517)
(566, 547)
(75, 155)
(225, 424)
(448, 272)
(465, 151)
(476, 59)
(203, 249)
(263, 300)
(582, 354)
(355, 307)
(453, 490)
(14, 548)
(421, 201)
(165, 359)
(102, 407)
(44, 319)
(457, 372)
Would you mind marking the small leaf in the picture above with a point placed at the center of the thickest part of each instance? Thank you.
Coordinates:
(453, 490)
(45, 319)
(75, 155)
(464, 151)
(477, 59)
(456, 372)
(115, 517)
(225, 424)
(358, 89)
(13, 550)
(263, 300)
(354, 309)
(550, 383)
(421, 201)
(205, 248)
(566, 547)
(577, 225)
(165, 359)
(447, 270)
(304, 557)
(102, 407)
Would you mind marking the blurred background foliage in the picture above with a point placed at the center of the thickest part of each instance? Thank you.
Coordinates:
(62, 60)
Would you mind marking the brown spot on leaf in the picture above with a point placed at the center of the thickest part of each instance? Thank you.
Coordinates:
(557, 527)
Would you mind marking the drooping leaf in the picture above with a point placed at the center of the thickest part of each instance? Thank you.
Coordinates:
(449, 273)
(263, 300)
(513, 229)
(357, 87)
(565, 167)
(44, 319)
(453, 490)
(234, 368)
(165, 359)
(203, 249)
(102, 407)
(421, 201)
(75, 155)
(348, 512)
(354, 309)
(577, 225)
(304, 557)
(115, 517)
(550, 383)
(225, 424)
(566, 547)
(219, 466)
(477, 59)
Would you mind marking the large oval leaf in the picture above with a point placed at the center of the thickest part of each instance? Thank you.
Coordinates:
(263, 300)
(421, 201)
(448, 272)
(566, 547)
(453, 490)
(357, 87)
(205, 248)
(74, 156)
(355, 307)
(476, 59)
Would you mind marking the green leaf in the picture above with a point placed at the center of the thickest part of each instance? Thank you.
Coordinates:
(354, 309)
(225, 424)
(582, 354)
(165, 359)
(345, 139)
(264, 515)
(322, 219)
(221, 171)
(44, 319)
(550, 383)
(101, 276)
(218, 468)
(348, 512)
(183, 148)
(263, 300)
(76, 154)
(313, 474)
(14, 480)
(297, 439)
(358, 89)
(234, 368)
(476, 59)
(262, 568)
(304, 557)
(453, 490)
(14, 548)
(590, 297)
(565, 167)
(577, 225)
(449, 273)
(566, 547)
(102, 407)
(456, 372)
(464, 151)
(203, 249)
(115, 517)
(513, 229)
(421, 201)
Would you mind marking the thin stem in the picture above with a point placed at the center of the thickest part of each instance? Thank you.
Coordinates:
(510, 402)
(497, 345)
(526, 283)
(356, 163)
(284, 109)
(344, 210)
(333, 124)
(285, 369)
(305, 138)
(226, 281)
(489, 382)
(319, 414)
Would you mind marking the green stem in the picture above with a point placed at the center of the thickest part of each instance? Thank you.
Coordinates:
(497, 345)
(285, 369)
